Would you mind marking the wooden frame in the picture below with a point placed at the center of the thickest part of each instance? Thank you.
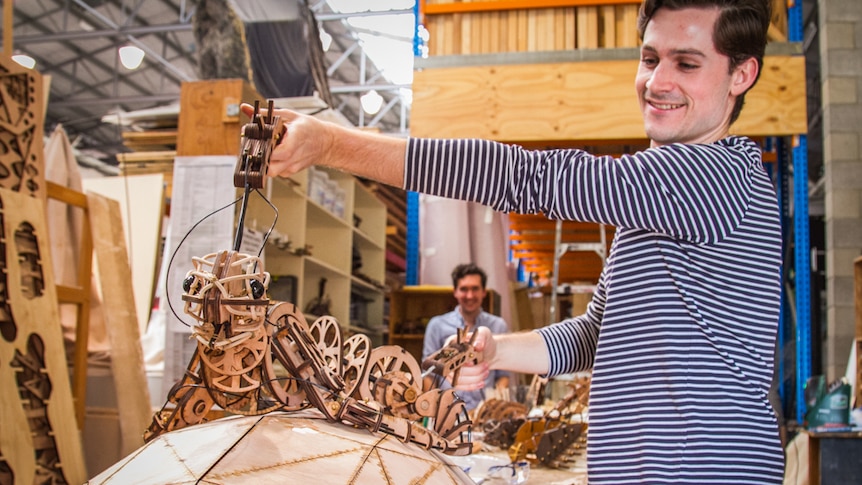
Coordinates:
(78, 295)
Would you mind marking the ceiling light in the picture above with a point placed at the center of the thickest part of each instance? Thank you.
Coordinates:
(325, 39)
(131, 56)
(24, 60)
(371, 102)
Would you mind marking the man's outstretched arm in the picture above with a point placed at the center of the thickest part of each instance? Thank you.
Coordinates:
(308, 141)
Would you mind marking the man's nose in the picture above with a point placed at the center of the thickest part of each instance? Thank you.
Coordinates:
(661, 79)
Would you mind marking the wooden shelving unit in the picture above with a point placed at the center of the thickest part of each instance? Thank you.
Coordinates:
(311, 242)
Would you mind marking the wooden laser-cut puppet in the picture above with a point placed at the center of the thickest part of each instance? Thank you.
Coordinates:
(254, 355)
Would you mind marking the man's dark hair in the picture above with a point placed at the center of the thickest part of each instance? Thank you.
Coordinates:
(739, 32)
(465, 269)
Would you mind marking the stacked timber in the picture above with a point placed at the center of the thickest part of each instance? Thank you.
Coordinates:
(479, 27)
(151, 138)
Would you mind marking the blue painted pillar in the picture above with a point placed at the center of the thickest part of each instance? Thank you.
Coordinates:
(412, 256)
(802, 264)
(802, 250)
(785, 336)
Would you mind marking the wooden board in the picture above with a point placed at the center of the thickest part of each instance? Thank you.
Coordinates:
(21, 131)
(579, 101)
(150, 140)
(208, 121)
(142, 207)
(127, 355)
(166, 156)
(37, 409)
(532, 241)
(626, 18)
(531, 29)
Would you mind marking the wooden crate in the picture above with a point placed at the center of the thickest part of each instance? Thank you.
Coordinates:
(210, 122)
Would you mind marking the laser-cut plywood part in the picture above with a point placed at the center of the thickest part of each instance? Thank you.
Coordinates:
(22, 168)
(34, 388)
(39, 439)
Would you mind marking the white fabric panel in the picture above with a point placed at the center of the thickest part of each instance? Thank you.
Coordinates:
(452, 232)
(444, 234)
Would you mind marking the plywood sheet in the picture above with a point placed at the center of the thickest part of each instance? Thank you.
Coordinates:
(209, 120)
(127, 356)
(579, 101)
(141, 206)
(38, 435)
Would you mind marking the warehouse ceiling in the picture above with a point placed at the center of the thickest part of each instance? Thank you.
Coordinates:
(75, 45)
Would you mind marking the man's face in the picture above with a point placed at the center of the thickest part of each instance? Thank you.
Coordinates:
(470, 293)
(685, 91)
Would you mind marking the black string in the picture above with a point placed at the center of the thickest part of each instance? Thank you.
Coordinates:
(196, 224)
(177, 249)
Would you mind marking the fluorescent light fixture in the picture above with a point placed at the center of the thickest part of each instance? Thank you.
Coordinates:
(371, 102)
(24, 60)
(131, 56)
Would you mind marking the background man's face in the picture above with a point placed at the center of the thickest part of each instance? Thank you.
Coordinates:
(683, 83)
(470, 293)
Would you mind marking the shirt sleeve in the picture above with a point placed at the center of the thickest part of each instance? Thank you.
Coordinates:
(695, 192)
(572, 343)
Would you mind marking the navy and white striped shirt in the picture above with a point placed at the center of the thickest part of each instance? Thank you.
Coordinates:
(681, 331)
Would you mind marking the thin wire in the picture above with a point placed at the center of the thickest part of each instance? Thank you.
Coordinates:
(272, 226)
(176, 250)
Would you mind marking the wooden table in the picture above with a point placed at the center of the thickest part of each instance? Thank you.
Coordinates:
(834, 457)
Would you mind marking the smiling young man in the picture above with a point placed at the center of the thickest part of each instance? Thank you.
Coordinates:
(468, 287)
(680, 333)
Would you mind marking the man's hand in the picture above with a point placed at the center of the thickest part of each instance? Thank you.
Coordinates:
(309, 141)
(305, 142)
(523, 352)
(472, 377)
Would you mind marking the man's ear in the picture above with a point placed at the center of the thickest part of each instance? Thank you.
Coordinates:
(744, 76)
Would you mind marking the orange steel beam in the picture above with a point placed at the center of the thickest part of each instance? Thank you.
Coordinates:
(489, 6)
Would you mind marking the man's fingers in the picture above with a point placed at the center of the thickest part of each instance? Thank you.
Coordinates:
(285, 114)
(248, 109)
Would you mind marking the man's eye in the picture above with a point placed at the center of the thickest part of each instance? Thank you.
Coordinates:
(648, 61)
(686, 66)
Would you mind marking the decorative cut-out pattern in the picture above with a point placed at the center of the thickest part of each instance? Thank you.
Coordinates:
(7, 477)
(34, 388)
(8, 329)
(32, 281)
(20, 170)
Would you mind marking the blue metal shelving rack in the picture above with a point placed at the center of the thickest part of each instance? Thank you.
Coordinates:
(412, 250)
(801, 253)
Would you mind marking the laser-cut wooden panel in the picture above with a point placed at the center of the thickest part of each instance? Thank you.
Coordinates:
(22, 167)
(39, 439)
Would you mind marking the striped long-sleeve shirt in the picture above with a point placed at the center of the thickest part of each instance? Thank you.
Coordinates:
(681, 331)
